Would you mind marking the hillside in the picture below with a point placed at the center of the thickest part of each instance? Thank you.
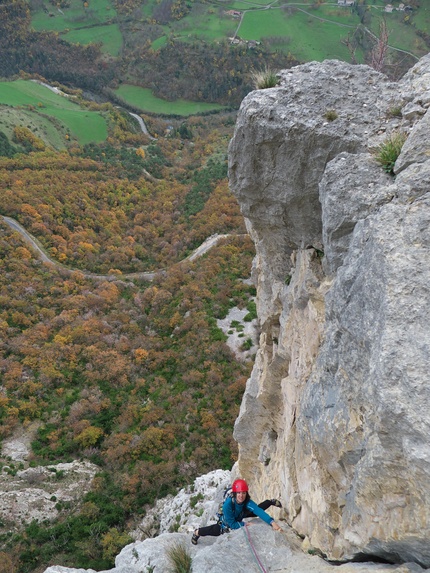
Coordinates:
(197, 51)
(55, 118)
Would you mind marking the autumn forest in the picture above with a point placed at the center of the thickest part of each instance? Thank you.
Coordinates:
(134, 376)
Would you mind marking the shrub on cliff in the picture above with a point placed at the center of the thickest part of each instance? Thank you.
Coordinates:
(263, 79)
(389, 151)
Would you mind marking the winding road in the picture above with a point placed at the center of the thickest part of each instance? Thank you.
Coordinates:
(148, 276)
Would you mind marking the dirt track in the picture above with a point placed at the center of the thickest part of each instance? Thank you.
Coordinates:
(148, 276)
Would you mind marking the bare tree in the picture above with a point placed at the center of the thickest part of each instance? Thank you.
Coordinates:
(352, 47)
(377, 57)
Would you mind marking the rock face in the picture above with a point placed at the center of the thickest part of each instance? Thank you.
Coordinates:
(41, 493)
(336, 416)
(189, 508)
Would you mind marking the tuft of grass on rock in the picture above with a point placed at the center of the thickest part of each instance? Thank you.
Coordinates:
(263, 79)
(395, 111)
(388, 152)
(180, 558)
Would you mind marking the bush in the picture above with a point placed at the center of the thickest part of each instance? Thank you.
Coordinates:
(389, 151)
(251, 307)
(330, 115)
(196, 498)
(6, 148)
(247, 345)
(180, 558)
(25, 137)
(113, 541)
(6, 563)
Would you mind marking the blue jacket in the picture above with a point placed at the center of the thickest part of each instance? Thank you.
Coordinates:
(233, 513)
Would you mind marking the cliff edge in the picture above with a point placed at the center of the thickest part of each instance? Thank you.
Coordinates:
(335, 420)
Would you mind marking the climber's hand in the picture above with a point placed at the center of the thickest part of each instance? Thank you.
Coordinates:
(275, 526)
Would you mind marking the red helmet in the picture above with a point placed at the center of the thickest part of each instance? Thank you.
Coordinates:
(239, 485)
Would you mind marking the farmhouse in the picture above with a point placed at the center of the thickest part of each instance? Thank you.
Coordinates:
(345, 2)
(389, 8)
(234, 13)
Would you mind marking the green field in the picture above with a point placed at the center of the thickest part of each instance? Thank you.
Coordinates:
(109, 36)
(159, 43)
(422, 18)
(66, 116)
(311, 31)
(51, 134)
(143, 99)
(203, 21)
(245, 5)
(207, 26)
(75, 16)
(309, 39)
(400, 36)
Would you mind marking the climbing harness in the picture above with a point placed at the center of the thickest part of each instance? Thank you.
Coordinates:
(253, 550)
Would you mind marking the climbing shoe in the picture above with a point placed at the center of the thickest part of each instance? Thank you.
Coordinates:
(195, 538)
(276, 502)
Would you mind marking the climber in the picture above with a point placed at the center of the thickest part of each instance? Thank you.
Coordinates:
(236, 507)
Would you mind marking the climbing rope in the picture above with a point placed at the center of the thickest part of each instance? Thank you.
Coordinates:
(253, 550)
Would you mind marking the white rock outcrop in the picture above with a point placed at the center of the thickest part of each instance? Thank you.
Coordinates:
(185, 511)
(336, 419)
(39, 493)
(242, 334)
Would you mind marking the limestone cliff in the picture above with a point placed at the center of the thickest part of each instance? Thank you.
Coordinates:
(336, 416)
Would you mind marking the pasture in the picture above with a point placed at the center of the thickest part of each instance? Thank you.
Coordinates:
(206, 26)
(309, 39)
(401, 36)
(108, 35)
(73, 17)
(66, 116)
(422, 17)
(52, 134)
(159, 43)
(311, 31)
(144, 100)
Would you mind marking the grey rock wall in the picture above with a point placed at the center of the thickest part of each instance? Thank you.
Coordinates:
(335, 419)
